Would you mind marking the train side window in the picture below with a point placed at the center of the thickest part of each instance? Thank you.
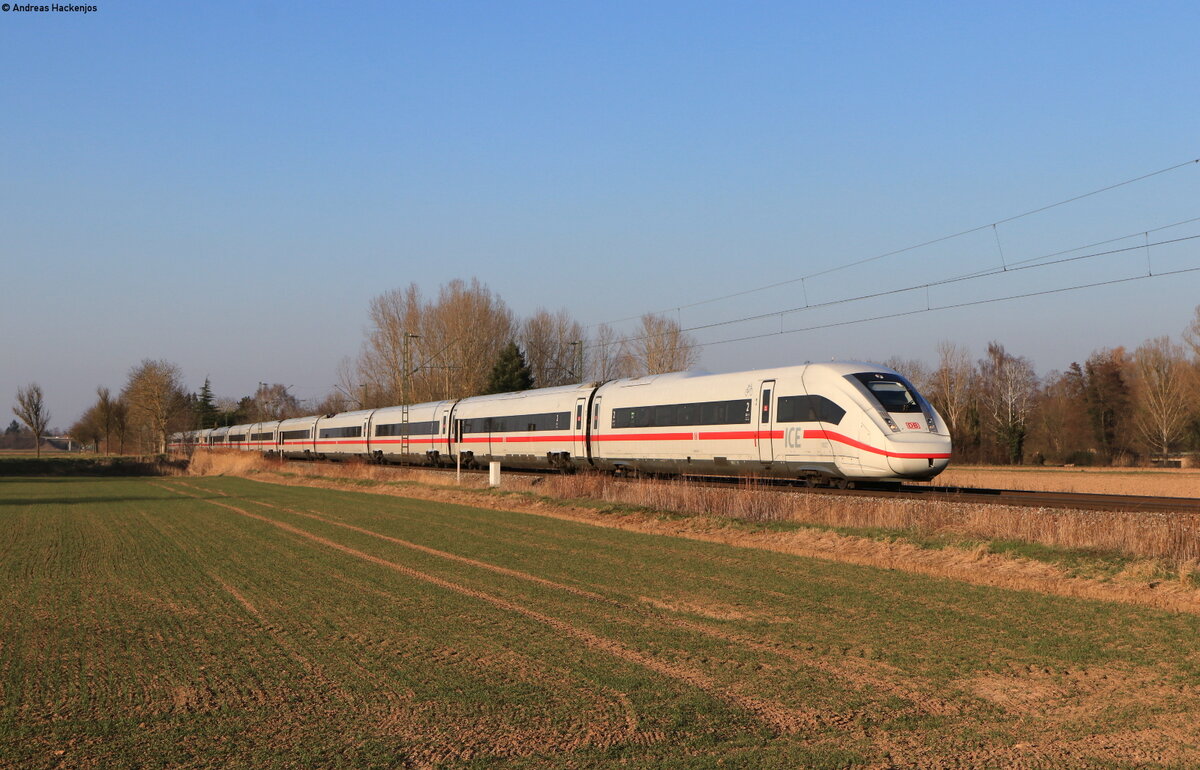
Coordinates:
(766, 405)
(808, 409)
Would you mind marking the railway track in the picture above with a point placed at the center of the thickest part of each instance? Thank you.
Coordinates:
(1014, 497)
(1035, 499)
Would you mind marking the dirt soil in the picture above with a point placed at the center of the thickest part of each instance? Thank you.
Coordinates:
(1156, 482)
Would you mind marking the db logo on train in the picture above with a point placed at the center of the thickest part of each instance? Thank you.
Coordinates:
(913, 425)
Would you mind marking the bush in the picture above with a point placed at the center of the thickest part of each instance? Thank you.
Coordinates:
(1084, 457)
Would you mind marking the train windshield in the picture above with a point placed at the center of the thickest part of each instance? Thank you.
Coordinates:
(892, 392)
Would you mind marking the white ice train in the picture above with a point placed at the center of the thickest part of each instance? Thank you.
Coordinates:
(823, 423)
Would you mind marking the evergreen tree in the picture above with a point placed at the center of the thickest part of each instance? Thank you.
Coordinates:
(204, 408)
(511, 372)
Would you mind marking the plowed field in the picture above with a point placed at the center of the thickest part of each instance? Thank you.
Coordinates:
(225, 622)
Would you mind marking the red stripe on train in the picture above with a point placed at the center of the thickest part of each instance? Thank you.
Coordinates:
(838, 437)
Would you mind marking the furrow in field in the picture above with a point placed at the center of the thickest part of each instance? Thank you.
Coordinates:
(858, 673)
(430, 732)
(315, 671)
(782, 718)
(441, 554)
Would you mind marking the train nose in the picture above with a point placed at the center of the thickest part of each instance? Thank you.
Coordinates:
(918, 467)
(921, 458)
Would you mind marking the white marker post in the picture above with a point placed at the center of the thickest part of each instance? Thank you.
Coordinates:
(494, 473)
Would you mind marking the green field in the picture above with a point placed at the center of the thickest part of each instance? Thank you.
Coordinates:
(149, 622)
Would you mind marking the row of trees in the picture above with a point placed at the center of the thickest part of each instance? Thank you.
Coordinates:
(420, 349)
(1117, 407)
(151, 406)
(154, 404)
(464, 342)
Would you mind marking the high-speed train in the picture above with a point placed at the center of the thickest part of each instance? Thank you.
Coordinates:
(831, 423)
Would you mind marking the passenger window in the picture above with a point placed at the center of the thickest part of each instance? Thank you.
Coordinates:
(766, 405)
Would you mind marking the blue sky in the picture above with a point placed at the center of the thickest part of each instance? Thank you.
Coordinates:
(227, 185)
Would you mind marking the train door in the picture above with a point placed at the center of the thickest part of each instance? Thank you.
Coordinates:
(453, 431)
(579, 428)
(315, 446)
(766, 422)
(593, 435)
(442, 429)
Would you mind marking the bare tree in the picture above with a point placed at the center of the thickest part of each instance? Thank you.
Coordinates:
(385, 365)
(88, 430)
(106, 414)
(950, 385)
(553, 347)
(1104, 381)
(913, 370)
(349, 385)
(1191, 335)
(335, 401)
(659, 346)
(466, 329)
(120, 423)
(31, 410)
(605, 356)
(1007, 388)
(273, 402)
(1059, 420)
(423, 351)
(1161, 393)
(156, 398)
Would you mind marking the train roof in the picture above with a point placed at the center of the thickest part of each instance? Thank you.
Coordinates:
(837, 367)
(558, 389)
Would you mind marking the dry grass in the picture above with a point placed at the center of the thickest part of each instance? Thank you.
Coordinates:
(1172, 537)
(1158, 482)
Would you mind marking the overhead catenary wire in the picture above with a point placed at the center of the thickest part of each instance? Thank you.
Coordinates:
(1019, 267)
(931, 242)
(1093, 244)
(971, 303)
